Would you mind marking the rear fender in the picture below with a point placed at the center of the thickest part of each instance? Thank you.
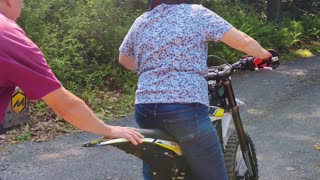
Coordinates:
(126, 146)
(164, 157)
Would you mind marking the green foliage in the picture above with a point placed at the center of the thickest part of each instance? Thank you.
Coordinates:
(311, 26)
(80, 40)
(288, 35)
(298, 8)
(41, 106)
(24, 136)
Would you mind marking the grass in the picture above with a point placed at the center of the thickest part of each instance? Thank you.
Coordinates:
(24, 136)
(314, 47)
(111, 105)
(307, 51)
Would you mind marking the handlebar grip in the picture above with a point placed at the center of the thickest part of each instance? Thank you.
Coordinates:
(221, 72)
(211, 76)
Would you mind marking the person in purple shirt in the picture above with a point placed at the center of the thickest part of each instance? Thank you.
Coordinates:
(167, 47)
(22, 64)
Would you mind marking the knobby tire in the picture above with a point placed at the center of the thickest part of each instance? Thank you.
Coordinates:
(230, 157)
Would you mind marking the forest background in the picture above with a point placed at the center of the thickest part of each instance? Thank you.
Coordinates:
(80, 40)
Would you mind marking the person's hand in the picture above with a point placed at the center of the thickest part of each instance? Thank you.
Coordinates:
(129, 133)
(271, 61)
(251, 63)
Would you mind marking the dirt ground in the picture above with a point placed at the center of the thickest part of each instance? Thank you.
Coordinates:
(282, 115)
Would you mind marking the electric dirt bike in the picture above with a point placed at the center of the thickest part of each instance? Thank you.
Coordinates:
(166, 158)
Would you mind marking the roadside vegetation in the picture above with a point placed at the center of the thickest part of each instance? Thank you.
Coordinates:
(80, 40)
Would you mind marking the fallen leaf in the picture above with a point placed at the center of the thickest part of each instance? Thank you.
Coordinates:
(39, 151)
(317, 146)
(3, 136)
(255, 112)
(290, 169)
(27, 127)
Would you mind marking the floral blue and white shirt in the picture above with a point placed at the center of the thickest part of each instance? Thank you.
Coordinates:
(169, 45)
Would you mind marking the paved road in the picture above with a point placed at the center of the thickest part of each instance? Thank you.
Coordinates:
(282, 114)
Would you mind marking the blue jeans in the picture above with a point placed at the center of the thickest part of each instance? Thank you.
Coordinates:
(190, 125)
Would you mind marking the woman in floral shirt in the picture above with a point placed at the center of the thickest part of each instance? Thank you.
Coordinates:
(167, 47)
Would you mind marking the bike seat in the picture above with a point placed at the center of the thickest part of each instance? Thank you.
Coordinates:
(157, 134)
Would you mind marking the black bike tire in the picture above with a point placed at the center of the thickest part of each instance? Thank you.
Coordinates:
(231, 152)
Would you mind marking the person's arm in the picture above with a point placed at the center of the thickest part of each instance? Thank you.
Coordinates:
(241, 41)
(126, 50)
(128, 62)
(75, 111)
(37, 81)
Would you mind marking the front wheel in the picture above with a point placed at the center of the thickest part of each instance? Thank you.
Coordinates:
(236, 166)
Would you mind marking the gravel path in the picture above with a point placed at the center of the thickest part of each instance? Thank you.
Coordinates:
(282, 114)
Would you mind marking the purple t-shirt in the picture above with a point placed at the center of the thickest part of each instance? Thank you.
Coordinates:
(22, 64)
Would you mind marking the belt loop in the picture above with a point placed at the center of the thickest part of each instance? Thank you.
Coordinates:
(155, 110)
(196, 110)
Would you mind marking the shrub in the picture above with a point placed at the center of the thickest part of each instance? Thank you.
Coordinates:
(80, 39)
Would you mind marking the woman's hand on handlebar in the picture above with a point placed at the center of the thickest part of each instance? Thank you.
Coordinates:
(251, 63)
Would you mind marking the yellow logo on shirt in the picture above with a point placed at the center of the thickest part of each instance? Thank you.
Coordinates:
(18, 101)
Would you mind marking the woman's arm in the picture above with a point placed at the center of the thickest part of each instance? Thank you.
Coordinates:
(242, 42)
(128, 62)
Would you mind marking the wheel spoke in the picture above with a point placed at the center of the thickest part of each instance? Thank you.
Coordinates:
(241, 167)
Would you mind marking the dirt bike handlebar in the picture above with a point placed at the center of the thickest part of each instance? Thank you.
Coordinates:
(222, 71)
(246, 63)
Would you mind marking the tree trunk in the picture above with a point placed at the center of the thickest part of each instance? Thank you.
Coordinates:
(273, 10)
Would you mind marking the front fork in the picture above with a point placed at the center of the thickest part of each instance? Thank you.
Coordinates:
(244, 145)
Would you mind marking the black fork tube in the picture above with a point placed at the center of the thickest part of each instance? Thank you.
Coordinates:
(236, 115)
(244, 145)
